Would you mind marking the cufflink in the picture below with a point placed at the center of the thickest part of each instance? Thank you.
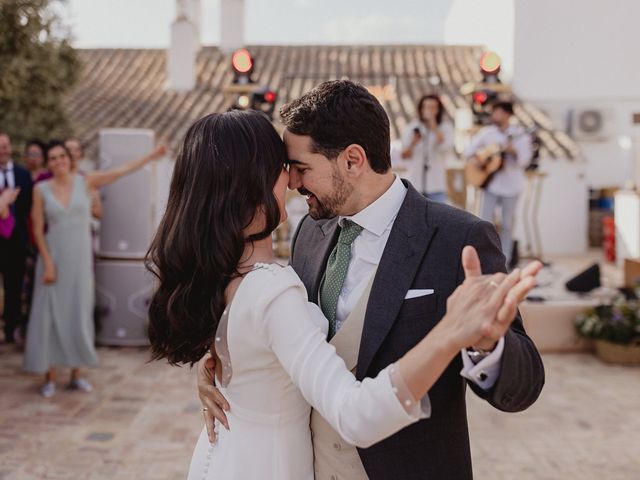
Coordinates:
(482, 376)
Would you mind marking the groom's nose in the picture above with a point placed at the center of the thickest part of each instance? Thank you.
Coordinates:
(295, 179)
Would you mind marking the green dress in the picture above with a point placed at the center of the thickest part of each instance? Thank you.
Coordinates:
(61, 329)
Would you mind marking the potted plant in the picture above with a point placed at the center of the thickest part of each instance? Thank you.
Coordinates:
(615, 329)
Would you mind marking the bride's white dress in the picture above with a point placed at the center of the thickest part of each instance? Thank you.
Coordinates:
(276, 363)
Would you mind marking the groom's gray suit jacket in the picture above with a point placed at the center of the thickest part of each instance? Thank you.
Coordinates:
(424, 251)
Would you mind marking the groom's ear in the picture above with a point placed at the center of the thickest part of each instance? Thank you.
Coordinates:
(355, 159)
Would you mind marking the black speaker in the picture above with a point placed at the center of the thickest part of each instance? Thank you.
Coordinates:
(585, 281)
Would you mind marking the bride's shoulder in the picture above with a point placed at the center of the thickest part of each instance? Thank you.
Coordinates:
(272, 280)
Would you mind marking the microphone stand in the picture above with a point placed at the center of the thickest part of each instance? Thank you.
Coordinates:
(425, 161)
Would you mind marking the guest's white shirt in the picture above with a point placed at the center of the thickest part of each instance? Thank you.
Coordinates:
(366, 251)
(510, 180)
(9, 181)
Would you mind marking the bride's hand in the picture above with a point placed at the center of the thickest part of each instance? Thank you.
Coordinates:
(210, 396)
(508, 310)
(473, 307)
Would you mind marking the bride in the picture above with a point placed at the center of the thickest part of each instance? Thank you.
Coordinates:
(221, 290)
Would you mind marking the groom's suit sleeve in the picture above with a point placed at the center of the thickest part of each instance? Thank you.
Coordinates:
(521, 370)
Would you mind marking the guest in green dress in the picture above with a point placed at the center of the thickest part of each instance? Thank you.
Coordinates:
(61, 329)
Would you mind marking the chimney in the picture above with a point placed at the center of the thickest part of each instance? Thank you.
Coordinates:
(192, 10)
(181, 57)
(231, 25)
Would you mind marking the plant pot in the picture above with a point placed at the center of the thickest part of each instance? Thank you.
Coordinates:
(619, 354)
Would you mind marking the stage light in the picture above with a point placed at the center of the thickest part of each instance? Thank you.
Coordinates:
(490, 63)
(481, 101)
(243, 101)
(264, 100)
(270, 97)
(480, 97)
(242, 63)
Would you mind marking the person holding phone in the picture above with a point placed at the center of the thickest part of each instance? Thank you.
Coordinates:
(426, 144)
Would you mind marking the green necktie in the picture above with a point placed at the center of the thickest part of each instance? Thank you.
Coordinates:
(336, 272)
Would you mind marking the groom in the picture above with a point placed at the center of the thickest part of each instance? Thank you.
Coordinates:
(389, 287)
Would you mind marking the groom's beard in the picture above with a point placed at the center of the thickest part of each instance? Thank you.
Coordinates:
(329, 205)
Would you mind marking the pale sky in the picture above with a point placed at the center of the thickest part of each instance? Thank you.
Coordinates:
(146, 23)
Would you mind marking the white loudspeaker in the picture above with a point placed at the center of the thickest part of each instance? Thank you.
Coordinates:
(123, 294)
(128, 219)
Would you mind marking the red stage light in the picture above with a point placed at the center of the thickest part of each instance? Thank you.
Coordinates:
(480, 97)
(270, 97)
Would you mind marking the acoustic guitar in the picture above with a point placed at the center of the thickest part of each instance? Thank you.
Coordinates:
(489, 160)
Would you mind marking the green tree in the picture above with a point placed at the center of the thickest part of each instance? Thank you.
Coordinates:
(37, 67)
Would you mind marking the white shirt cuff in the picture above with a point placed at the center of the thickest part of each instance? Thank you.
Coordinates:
(485, 373)
(417, 409)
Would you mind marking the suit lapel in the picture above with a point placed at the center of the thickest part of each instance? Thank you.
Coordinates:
(408, 243)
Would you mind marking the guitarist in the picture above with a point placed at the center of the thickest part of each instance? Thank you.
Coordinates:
(509, 181)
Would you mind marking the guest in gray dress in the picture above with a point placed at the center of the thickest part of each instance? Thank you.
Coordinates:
(61, 330)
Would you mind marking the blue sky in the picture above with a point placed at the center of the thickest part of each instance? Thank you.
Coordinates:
(145, 23)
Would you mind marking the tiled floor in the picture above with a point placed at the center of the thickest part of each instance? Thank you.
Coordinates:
(142, 420)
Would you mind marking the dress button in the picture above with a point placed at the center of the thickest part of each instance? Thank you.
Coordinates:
(337, 446)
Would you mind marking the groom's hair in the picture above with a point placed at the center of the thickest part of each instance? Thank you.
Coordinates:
(337, 114)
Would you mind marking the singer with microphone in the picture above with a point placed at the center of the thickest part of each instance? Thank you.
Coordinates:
(426, 144)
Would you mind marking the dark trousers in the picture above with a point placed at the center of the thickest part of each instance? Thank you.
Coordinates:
(12, 265)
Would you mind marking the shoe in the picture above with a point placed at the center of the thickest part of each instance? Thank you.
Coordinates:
(81, 384)
(48, 390)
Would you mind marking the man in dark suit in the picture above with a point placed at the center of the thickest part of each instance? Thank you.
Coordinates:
(13, 250)
(337, 139)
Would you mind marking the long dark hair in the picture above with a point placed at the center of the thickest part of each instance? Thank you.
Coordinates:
(435, 97)
(224, 174)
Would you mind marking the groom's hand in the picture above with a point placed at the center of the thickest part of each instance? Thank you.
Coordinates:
(509, 308)
(213, 403)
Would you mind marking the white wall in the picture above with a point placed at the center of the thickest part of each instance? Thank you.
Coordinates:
(577, 50)
(486, 22)
(572, 55)
(563, 210)
(610, 163)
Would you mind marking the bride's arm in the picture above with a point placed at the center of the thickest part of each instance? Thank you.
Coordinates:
(366, 412)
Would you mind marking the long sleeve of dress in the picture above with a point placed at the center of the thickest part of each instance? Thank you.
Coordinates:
(363, 413)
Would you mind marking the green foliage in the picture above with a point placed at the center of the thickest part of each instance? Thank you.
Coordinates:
(616, 323)
(37, 67)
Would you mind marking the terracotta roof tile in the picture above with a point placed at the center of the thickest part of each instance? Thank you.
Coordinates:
(127, 87)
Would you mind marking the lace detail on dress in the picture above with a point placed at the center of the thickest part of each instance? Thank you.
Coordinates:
(221, 344)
